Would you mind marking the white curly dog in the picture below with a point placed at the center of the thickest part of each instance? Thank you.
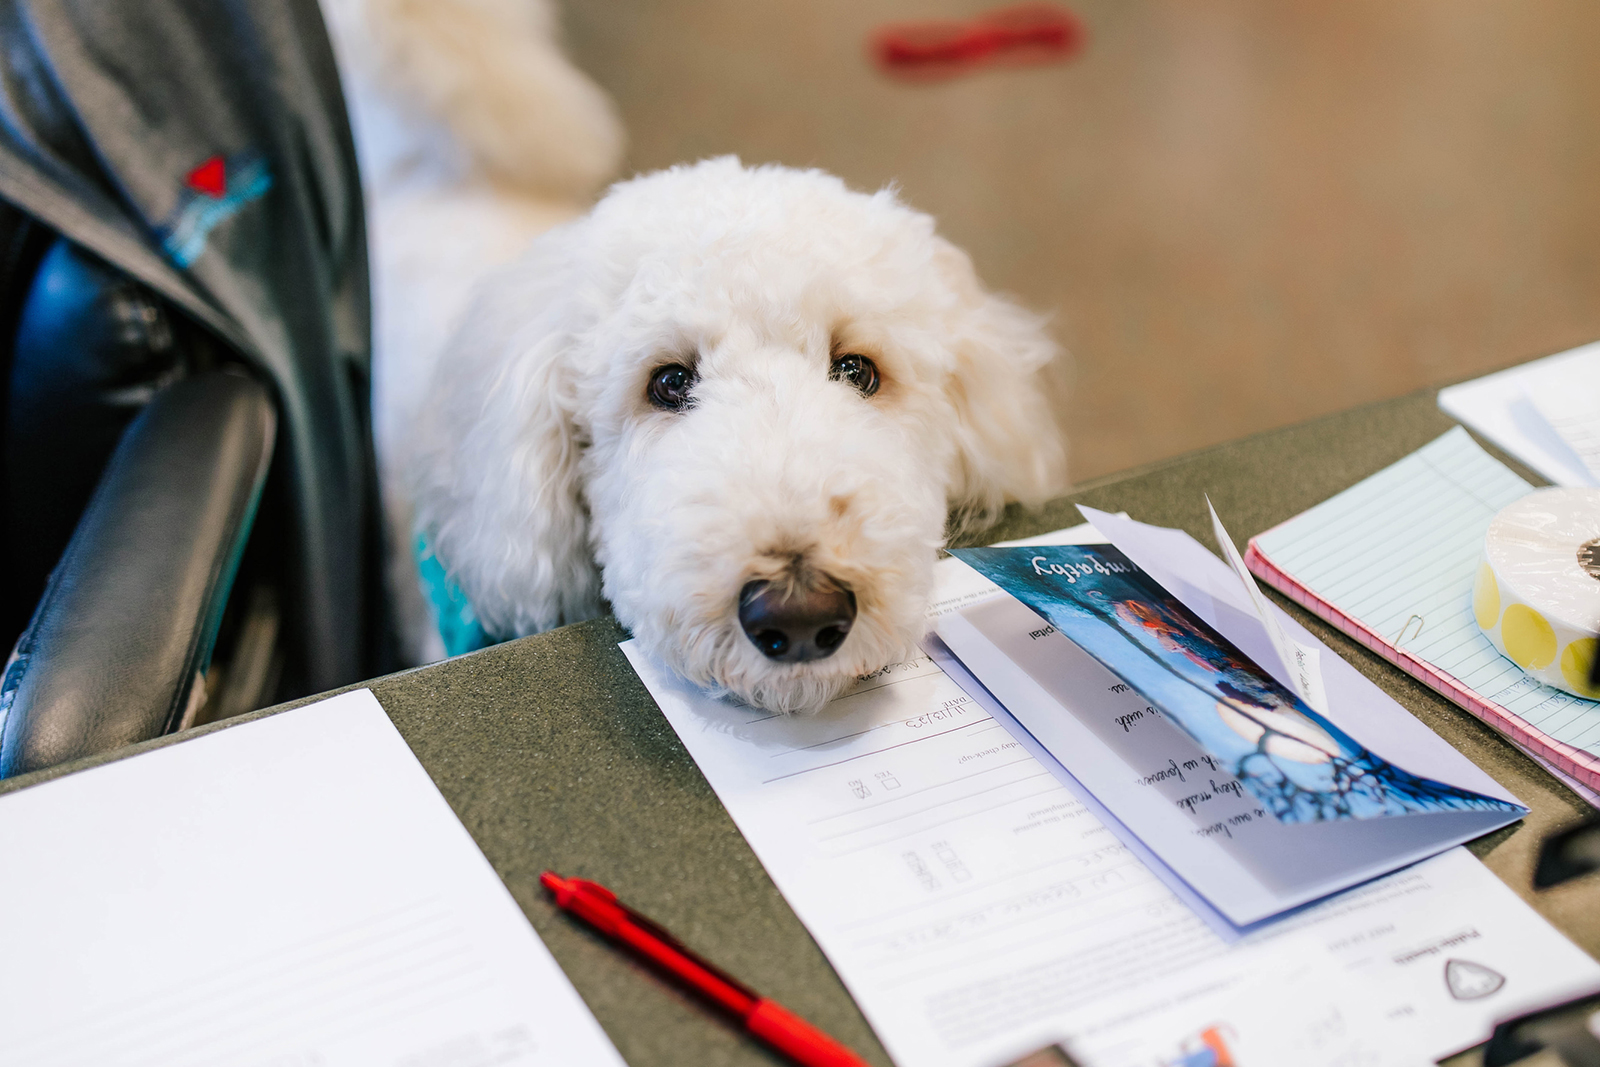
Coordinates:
(738, 405)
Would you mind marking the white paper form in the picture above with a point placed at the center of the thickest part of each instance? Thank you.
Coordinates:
(291, 892)
(1397, 553)
(976, 909)
(1500, 407)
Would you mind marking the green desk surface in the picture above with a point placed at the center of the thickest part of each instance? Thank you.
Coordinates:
(554, 756)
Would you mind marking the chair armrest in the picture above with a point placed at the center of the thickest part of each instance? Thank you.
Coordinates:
(131, 611)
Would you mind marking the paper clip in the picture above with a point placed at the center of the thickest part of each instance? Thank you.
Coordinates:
(1400, 638)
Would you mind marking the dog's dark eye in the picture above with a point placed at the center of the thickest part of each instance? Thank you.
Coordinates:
(859, 371)
(670, 385)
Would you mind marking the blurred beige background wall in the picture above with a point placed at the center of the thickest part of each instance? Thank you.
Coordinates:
(1242, 213)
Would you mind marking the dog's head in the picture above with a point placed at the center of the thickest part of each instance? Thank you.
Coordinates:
(752, 399)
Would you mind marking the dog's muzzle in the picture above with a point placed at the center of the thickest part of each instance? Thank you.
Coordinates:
(797, 625)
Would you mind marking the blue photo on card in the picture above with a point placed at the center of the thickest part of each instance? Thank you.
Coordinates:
(1297, 764)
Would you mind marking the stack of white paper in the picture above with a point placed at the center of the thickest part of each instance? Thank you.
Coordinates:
(291, 892)
(1546, 413)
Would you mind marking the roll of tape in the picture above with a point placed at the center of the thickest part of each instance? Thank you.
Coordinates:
(1537, 591)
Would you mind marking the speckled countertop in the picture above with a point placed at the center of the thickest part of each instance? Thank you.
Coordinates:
(554, 756)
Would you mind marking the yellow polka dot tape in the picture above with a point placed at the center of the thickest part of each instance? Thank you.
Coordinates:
(1537, 590)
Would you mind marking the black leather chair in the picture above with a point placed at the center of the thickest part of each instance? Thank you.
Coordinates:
(184, 361)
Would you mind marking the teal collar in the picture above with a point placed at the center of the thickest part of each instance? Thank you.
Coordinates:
(452, 612)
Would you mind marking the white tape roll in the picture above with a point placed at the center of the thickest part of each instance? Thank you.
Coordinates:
(1537, 592)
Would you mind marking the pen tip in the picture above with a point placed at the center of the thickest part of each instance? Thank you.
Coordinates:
(552, 881)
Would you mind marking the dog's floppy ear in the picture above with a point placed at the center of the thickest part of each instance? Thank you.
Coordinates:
(1009, 446)
(494, 469)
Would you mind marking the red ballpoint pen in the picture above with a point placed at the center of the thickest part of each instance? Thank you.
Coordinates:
(766, 1019)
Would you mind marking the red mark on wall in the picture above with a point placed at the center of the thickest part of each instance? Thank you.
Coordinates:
(1023, 35)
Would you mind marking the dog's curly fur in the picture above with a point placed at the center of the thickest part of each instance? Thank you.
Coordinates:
(548, 484)
(475, 134)
(453, 90)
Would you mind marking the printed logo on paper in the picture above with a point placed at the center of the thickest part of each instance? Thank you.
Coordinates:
(1471, 981)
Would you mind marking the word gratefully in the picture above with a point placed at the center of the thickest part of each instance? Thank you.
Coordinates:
(1073, 571)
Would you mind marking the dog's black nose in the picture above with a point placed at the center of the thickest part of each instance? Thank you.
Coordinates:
(805, 624)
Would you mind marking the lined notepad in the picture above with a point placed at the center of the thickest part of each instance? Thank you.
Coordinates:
(1390, 562)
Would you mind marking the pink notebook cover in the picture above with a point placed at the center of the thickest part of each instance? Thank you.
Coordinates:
(1563, 758)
